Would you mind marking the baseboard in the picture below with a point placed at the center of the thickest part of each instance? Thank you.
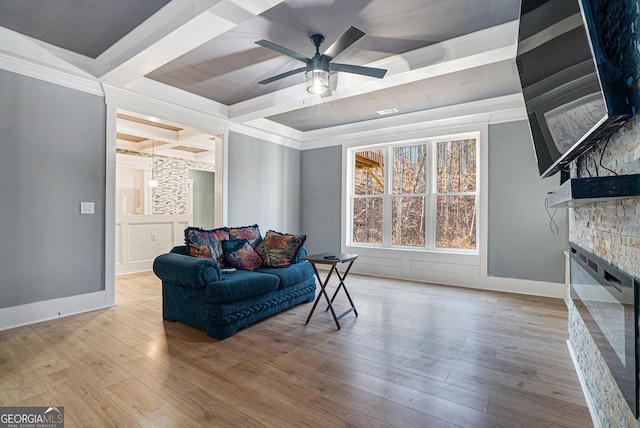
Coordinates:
(478, 282)
(123, 269)
(31, 313)
(583, 385)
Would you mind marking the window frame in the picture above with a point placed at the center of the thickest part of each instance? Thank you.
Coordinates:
(430, 193)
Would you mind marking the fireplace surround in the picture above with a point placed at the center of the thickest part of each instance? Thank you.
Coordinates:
(607, 300)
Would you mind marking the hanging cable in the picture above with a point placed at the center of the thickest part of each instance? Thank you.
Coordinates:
(602, 154)
(553, 226)
(595, 165)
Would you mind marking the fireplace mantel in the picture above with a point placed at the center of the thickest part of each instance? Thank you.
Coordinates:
(581, 191)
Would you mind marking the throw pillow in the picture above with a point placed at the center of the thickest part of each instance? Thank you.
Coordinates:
(280, 249)
(206, 244)
(250, 233)
(241, 255)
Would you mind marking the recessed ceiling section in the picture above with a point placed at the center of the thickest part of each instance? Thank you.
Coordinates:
(87, 27)
(227, 68)
(129, 137)
(474, 84)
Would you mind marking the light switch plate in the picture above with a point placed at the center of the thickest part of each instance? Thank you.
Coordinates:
(86, 208)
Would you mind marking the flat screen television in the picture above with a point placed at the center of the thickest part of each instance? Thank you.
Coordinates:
(575, 94)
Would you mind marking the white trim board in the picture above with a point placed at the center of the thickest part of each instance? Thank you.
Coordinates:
(30, 313)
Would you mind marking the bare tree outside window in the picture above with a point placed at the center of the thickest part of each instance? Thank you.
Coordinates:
(409, 190)
(367, 220)
(431, 199)
(456, 206)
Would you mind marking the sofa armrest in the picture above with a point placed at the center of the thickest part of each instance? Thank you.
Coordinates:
(180, 249)
(186, 271)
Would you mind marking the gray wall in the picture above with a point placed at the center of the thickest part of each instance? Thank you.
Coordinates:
(203, 198)
(520, 242)
(52, 142)
(263, 184)
(321, 211)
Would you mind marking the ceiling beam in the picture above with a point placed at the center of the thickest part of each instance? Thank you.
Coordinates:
(185, 25)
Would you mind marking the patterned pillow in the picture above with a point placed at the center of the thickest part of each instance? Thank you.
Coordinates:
(241, 255)
(280, 249)
(250, 233)
(206, 244)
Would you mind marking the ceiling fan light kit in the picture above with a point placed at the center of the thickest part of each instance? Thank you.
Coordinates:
(317, 82)
(318, 69)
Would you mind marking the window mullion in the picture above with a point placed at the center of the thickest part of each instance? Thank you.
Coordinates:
(386, 206)
(430, 219)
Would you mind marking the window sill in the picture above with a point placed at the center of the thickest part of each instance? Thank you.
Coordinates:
(449, 251)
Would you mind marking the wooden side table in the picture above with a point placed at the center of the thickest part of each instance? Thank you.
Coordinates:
(332, 259)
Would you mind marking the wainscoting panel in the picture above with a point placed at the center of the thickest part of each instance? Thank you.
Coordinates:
(141, 238)
(147, 240)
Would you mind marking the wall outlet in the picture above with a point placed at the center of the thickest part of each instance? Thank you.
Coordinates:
(153, 236)
(86, 208)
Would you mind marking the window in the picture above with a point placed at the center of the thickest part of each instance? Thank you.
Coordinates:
(419, 196)
(369, 188)
(456, 194)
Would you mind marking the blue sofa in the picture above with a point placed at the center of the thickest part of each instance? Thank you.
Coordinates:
(196, 292)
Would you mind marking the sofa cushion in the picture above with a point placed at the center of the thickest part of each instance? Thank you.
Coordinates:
(250, 233)
(206, 244)
(240, 285)
(280, 249)
(292, 275)
(241, 255)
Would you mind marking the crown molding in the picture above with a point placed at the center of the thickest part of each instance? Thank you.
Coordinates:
(155, 90)
(266, 136)
(51, 75)
(38, 52)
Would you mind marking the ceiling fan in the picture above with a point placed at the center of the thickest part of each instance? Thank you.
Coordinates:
(318, 68)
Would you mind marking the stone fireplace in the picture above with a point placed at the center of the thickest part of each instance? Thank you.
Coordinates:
(610, 230)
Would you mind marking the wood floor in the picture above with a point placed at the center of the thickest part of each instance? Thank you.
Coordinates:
(417, 355)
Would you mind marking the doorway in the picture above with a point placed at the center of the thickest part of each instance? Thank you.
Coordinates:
(164, 175)
(202, 198)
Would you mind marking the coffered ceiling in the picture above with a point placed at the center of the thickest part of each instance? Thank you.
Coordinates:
(444, 57)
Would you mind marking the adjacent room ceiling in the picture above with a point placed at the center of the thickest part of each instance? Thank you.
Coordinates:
(202, 54)
(139, 134)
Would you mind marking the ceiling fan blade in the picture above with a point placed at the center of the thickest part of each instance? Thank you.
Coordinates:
(282, 75)
(358, 69)
(348, 38)
(280, 49)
